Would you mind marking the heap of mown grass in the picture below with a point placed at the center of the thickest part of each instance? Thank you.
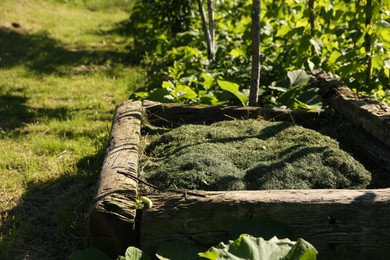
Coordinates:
(253, 155)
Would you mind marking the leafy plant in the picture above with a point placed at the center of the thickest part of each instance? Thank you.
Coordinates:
(256, 248)
(348, 39)
(244, 247)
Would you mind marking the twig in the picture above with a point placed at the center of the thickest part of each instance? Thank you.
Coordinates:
(184, 192)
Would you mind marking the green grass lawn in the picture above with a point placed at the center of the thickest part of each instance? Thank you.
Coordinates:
(64, 67)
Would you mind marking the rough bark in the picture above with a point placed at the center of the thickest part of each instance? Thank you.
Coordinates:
(112, 216)
(356, 219)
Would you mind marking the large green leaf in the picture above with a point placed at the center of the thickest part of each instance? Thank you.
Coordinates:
(298, 78)
(234, 89)
(256, 248)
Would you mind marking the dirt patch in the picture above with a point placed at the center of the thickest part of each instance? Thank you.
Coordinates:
(250, 155)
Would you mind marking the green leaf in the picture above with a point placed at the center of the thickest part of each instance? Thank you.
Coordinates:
(384, 33)
(168, 85)
(377, 62)
(158, 94)
(302, 250)
(177, 251)
(89, 254)
(237, 52)
(278, 88)
(251, 248)
(298, 78)
(182, 91)
(234, 89)
(211, 100)
(133, 253)
(140, 95)
(208, 80)
(333, 57)
(283, 31)
(317, 44)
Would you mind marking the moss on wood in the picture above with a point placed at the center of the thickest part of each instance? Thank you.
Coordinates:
(252, 155)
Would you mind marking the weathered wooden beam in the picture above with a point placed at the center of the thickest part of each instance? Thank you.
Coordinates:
(177, 114)
(372, 116)
(368, 114)
(112, 216)
(356, 219)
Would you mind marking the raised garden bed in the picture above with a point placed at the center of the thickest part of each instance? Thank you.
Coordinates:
(356, 219)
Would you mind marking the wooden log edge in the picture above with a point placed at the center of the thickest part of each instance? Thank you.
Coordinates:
(356, 219)
(113, 213)
(173, 115)
(363, 112)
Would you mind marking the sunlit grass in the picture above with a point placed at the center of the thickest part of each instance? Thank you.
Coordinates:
(63, 69)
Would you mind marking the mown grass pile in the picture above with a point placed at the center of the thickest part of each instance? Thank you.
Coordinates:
(253, 155)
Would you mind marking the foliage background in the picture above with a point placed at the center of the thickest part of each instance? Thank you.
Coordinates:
(349, 39)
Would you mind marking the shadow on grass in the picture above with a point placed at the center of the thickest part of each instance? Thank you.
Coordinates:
(43, 54)
(51, 219)
(14, 112)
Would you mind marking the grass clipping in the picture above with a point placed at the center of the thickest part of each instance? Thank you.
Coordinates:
(250, 155)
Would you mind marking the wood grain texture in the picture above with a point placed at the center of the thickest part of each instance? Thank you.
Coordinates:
(368, 114)
(112, 216)
(356, 219)
(372, 116)
(173, 115)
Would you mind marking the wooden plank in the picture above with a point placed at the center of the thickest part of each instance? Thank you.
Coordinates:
(365, 113)
(172, 115)
(372, 116)
(112, 216)
(357, 219)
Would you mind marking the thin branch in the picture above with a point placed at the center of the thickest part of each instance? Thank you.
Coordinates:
(210, 7)
(184, 192)
(367, 42)
(255, 78)
(210, 55)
